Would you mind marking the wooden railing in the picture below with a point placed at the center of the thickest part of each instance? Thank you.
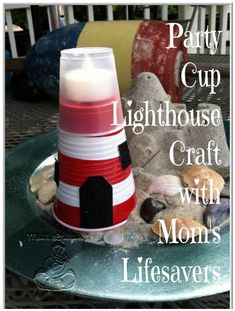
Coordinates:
(202, 14)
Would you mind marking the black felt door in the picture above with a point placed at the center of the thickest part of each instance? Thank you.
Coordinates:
(96, 203)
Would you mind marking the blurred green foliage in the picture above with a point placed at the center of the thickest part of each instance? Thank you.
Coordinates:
(19, 17)
(173, 9)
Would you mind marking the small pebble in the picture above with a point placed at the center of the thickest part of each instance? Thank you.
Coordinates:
(215, 214)
(113, 238)
(150, 208)
(137, 171)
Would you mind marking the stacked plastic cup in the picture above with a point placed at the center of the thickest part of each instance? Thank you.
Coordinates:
(95, 183)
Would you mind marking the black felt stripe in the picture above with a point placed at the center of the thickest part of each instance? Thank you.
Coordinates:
(124, 155)
(56, 172)
(96, 203)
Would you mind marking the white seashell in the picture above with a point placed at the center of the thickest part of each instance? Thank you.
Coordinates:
(36, 181)
(208, 181)
(168, 185)
(47, 192)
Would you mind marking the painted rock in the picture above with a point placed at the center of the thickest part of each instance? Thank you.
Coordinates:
(168, 185)
(43, 59)
(215, 214)
(208, 182)
(150, 208)
(138, 46)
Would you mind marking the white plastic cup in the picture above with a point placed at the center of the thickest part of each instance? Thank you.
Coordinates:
(88, 90)
(92, 148)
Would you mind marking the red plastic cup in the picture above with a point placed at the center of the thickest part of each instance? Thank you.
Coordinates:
(94, 118)
(75, 171)
(90, 148)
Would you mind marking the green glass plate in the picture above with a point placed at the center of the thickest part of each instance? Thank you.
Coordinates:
(56, 258)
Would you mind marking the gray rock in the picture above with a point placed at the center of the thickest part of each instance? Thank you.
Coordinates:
(147, 84)
(215, 214)
(225, 193)
(150, 149)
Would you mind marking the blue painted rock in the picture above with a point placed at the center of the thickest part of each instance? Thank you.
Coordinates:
(215, 214)
(43, 59)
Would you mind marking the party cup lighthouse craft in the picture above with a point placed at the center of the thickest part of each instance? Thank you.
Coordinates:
(95, 183)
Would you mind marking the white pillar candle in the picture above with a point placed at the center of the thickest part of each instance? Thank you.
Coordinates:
(88, 84)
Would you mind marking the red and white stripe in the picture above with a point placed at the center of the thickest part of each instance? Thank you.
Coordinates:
(122, 191)
(90, 148)
(81, 157)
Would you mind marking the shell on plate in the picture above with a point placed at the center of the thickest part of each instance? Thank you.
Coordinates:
(209, 182)
(47, 193)
(185, 227)
(168, 185)
(37, 180)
